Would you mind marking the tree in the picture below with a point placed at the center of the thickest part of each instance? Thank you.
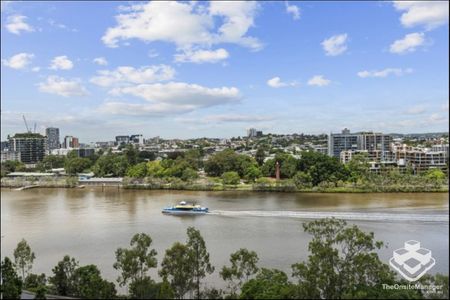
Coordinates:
(146, 156)
(189, 174)
(131, 154)
(138, 171)
(358, 166)
(243, 265)
(260, 156)
(63, 276)
(88, 283)
(268, 284)
(231, 178)
(76, 165)
(200, 257)
(321, 167)
(342, 263)
(51, 162)
(252, 173)
(176, 267)
(23, 257)
(302, 180)
(33, 281)
(135, 262)
(11, 287)
(40, 292)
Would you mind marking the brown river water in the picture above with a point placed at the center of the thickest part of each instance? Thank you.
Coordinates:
(90, 224)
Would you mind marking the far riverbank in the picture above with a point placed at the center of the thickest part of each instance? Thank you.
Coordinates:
(211, 184)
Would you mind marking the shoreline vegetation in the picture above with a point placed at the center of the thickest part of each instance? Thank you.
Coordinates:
(212, 185)
(337, 252)
(228, 170)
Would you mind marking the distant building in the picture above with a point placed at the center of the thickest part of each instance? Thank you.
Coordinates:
(251, 132)
(4, 145)
(259, 133)
(31, 146)
(52, 134)
(377, 145)
(81, 152)
(71, 142)
(10, 155)
(137, 139)
(122, 139)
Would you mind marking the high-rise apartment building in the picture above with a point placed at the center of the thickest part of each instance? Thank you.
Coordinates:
(31, 146)
(377, 145)
(71, 142)
(251, 132)
(52, 134)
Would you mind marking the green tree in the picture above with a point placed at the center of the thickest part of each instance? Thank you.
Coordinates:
(322, 167)
(63, 276)
(268, 284)
(260, 156)
(252, 173)
(33, 281)
(200, 258)
(155, 169)
(11, 287)
(231, 178)
(51, 162)
(302, 180)
(144, 156)
(435, 175)
(358, 167)
(193, 158)
(23, 258)
(138, 171)
(342, 263)
(135, 262)
(88, 283)
(243, 266)
(41, 292)
(176, 267)
(131, 154)
(76, 165)
(189, 174)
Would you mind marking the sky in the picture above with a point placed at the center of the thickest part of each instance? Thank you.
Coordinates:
(214, 69)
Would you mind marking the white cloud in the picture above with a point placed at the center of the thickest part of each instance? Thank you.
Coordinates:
(101, 61)
(185, 24)
(335, 45)
(226, 118)
(18, 61)
(384, 73)
(169, 98)
(408, 44)
(61, 63)
(294, 10)
(202, 56)
(130, 75)
(319, 80)
(152, 53)
(430, 14)
(62, 87)
(17, 23)
(36, 69)
(415, 110)
(276, 82)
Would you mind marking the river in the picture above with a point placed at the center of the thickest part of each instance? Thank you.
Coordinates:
(90, 224)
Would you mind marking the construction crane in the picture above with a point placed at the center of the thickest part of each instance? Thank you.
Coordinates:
(26, 124)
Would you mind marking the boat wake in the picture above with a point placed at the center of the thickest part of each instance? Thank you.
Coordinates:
(355, 216)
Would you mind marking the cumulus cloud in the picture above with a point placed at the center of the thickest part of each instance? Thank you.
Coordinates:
(61, 63)
(62, 87)
(319, 80)
(227, 118)
(169, 98)
(335, 45)
(202, 56)
(185, 24)
(101, 61)
(17, 24)
(430, 14)
(384, 73)
(408, 44)
(129, 75)
(276, 82)
(18, 61)
(293, 10)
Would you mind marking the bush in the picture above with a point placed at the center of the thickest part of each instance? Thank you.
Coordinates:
(231, 178)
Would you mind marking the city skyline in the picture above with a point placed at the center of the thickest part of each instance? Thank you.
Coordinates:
(272, 66)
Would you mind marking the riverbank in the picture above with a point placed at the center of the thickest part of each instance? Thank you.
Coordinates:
(212, 184)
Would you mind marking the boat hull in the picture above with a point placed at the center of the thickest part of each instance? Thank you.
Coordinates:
(184, 212)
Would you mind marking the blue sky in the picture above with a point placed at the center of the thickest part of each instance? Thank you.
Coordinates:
(194, 69)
